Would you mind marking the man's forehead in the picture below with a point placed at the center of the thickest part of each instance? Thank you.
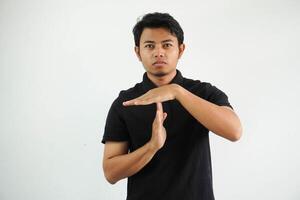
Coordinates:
(157, 35)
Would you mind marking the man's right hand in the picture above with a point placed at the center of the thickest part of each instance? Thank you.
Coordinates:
(119, 164)
(158, 130)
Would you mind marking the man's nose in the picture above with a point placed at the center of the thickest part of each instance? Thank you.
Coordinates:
(159, 52)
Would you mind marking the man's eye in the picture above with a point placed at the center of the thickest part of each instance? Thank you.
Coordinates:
(149, 46)
(167, 45)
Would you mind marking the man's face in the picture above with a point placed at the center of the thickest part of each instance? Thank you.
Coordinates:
(159, 51)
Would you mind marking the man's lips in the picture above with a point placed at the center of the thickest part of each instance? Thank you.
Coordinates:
(159, 63)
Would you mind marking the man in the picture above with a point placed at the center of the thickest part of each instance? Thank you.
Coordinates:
(156, 132)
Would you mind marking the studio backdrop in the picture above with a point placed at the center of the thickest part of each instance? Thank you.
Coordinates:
(62, 63)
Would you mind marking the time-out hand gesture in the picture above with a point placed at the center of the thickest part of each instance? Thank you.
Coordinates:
(158, 130)
(159, 94)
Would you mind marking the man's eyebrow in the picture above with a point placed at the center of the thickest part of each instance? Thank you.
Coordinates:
(150, 41)
(169, 40)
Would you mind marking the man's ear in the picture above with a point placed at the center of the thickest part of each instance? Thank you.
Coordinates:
(137, 52)
(181, 50)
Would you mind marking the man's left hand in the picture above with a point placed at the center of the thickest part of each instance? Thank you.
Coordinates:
(159, 94)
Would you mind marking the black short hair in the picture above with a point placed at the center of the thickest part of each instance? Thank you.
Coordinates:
(157, 20)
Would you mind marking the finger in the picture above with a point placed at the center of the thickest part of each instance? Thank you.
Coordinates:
(129, 103)
(133, 102)
(165, 116)
(142, 100)
(136, 102)
(145, 99)
(159, 107)
(158, 117)
(159, 112)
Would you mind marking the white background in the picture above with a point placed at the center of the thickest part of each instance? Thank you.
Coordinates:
(62, 63)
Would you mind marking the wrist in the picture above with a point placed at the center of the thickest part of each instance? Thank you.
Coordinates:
(177, 90)
(151, 147)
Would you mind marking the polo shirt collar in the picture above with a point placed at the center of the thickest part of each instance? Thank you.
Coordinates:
(148, 84)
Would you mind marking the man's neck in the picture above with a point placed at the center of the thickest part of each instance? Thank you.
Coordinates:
(163, 80)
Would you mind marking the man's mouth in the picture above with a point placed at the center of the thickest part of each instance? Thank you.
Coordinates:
(159, 63)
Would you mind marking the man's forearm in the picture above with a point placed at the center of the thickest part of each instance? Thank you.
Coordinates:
(122, 166)
(220, 120)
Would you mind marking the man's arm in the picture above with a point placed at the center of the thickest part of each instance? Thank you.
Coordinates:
(119, 164)
(221, 120)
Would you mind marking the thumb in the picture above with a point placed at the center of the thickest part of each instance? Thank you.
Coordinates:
(165, 116)
(158, 117)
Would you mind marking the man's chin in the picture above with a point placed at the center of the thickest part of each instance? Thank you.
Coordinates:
(159, 74)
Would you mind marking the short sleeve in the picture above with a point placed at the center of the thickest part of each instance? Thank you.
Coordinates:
(216, 96)
(115, 127)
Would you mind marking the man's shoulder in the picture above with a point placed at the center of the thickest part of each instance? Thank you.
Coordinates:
(207, 91)
(131, 92)
(126, 94)
(196, 84)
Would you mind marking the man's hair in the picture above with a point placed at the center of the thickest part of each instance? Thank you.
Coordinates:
(157, 20)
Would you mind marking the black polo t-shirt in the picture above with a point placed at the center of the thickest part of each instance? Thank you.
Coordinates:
(181, 169)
